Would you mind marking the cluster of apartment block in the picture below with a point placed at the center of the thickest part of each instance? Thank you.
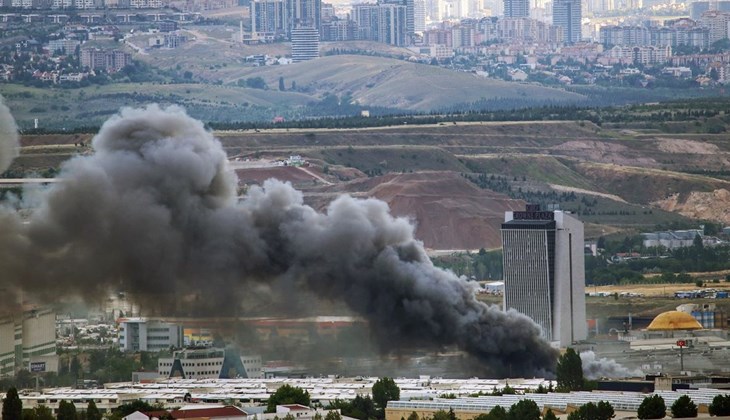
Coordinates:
(472, 32)
(387, 21)
(673, 34)
(101, 59)
(82, 4)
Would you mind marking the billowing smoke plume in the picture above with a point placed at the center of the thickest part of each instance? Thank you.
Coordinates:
(8, 137)
(155, 210)
(595, 368)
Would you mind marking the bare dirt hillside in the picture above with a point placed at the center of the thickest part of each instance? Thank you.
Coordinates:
(714, 205)
(449, 212)
(614, 180)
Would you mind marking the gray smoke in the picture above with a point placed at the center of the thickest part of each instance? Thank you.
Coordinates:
(595, 368)
(8, 137)
(154, 210)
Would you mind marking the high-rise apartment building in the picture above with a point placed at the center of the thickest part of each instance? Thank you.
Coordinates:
(365, 16)
(419, 16)
(567, 14)
(517, 8)
(392, 24)
(109, 60)
(384, 22)
(304, 44)
(717, 22)
(409, 5)
(269, 17)
(544, 275)
(304, 13)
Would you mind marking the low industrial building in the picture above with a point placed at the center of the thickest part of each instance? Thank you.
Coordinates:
(141, 334)
(210, 363)
(559, 403)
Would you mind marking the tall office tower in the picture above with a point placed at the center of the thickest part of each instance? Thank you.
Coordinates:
(304, 13)
(516, 8)
(567, 14)
(544, 275)
(268, 17)
(304, 44)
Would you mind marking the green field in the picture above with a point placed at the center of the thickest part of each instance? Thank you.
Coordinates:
(58, 108)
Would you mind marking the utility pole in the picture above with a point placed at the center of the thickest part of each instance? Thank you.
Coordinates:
(681, 344)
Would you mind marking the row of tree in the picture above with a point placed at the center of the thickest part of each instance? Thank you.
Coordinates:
(652, 407)
(13, 410)
(363, 408)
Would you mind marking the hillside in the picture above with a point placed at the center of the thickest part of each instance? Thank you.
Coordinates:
(91, 106)
(385, 82)
(449, 212)
(456, 180)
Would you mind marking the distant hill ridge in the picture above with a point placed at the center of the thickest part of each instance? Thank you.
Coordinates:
(386, 82)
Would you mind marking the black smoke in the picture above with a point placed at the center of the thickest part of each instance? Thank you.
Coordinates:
(8, 137)
(155, 210)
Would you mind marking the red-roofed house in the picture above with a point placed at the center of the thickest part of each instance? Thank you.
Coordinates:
(218, 413)
(205, 413)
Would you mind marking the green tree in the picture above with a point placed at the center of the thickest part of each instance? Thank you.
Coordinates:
(497, 413)
(570, 371)
(287, 394)
(130, 407)
(256, 83)
(684, 408)
(92, 412)
(363, 408)
(41, 413)
(441, 415)
(601, 411)
(385, 390)
(413, 416)
(720, 405)
(75, 368)
(282, 86)
(549, 415)
(66, 411)
(697, 242)
(12, 406)
(652, 408)
(524, 410)
(333, 415)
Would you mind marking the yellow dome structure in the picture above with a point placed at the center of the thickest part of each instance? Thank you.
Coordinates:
(674, 320)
